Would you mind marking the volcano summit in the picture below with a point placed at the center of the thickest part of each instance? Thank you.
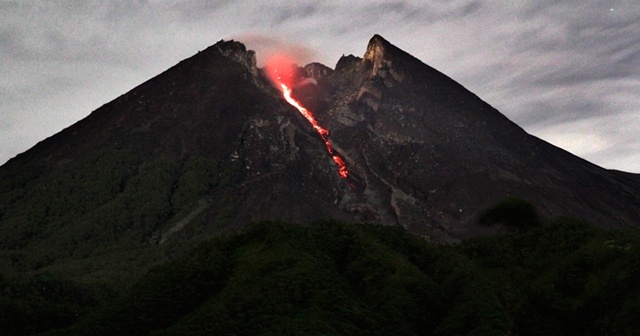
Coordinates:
(211, 145)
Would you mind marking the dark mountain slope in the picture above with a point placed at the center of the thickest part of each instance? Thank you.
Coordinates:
(205, 147)
(210, 145)
(432, 152)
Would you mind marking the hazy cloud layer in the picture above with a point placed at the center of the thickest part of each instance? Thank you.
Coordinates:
(566, 71)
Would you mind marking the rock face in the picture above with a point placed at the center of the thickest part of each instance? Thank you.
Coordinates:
(430, 154)
(422, 151)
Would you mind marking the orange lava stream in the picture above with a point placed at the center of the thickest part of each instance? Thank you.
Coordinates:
(324, 134)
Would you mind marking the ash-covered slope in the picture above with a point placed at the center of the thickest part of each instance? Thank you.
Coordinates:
(432, 153)
(210, 145)
(206, 146)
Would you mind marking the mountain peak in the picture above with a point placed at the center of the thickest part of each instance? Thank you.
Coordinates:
(376, 53)
(386, 60)
(237, 52)
(377, 42)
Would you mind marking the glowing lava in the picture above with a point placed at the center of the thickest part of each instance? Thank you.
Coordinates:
(280, 70)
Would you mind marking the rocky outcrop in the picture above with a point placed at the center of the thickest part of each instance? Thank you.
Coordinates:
(237, 52)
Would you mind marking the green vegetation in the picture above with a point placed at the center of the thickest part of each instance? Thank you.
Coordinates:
(80, 255)
(561, 278)
(83, 216)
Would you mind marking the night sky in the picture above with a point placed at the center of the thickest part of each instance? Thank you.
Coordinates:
(566, 71)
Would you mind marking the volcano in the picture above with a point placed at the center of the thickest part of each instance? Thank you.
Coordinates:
(211, 145)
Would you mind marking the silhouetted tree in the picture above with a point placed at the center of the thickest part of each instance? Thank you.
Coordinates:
(511, 212)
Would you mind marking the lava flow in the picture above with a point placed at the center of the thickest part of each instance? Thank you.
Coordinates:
(280, 70)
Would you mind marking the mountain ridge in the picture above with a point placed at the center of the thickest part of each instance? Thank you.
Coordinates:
(423, 152)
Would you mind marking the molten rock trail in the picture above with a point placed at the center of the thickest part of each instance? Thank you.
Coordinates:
(280, 70)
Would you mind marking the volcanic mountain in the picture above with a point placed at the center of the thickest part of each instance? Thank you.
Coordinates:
(211, 145)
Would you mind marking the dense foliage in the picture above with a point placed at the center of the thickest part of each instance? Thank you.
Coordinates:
(101, 216)
(561, 278)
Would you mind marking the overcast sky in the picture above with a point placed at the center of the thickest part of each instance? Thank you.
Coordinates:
(566, 71)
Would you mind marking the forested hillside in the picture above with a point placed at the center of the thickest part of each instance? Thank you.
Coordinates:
(563, 277)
